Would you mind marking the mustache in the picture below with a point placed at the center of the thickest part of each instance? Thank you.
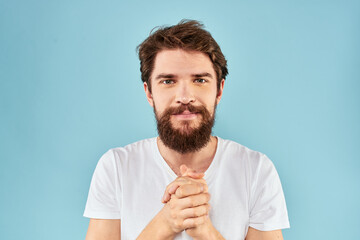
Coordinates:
(188, 107)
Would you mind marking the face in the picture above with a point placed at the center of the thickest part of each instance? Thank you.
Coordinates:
(184, 95)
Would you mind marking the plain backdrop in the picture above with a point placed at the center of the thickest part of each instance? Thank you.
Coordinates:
(70, 89)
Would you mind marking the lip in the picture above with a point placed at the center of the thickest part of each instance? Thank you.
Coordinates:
(186, 112)
(186, 115)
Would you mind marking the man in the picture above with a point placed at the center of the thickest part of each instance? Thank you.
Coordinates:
(186, 183)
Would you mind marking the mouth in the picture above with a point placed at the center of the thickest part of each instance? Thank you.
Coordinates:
(186, 112)
(186, 115)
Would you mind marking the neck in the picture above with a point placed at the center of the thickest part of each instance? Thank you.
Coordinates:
(198, 161)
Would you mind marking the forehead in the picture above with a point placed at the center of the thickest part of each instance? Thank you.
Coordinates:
(182, 62)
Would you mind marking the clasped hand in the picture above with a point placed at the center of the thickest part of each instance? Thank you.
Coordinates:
(187, 204)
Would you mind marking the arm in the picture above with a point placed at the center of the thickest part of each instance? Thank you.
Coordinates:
(254, 234)
(104, 229)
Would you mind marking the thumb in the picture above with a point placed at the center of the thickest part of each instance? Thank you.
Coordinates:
(183, 170)
(188, 172)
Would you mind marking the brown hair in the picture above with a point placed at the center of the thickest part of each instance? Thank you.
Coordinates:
(187, 35)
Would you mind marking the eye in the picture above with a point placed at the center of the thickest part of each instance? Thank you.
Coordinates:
(200, 80)
(167, 81)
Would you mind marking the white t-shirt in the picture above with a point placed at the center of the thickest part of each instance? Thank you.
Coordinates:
(128, 184)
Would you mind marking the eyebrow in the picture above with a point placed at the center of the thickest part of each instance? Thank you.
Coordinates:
(197, 75)
(164, 75)
(205, 74)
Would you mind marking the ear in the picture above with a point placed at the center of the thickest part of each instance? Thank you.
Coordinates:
(220, 91)
(148, 95)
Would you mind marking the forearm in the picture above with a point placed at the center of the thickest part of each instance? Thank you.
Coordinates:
(205, 232)
(211, 236)
(214, 235)
(254, 234)
(156, 229)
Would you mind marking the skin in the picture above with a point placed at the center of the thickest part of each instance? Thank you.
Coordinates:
(175, 81)
(253, 234)
(181, 77)
(103, 229)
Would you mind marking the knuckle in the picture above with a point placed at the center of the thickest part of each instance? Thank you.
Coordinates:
(201, 220)
(179, 191)
(173, 214)
(170, 185)
(184, 180)
(202, 181)
(195, 212)
(172, 204)
(189, 223)
(208, 207)
(178, 224)
(198, 212)
(193, 201)
(200, 188)
(189, 181)
(204, 210)
(202, 200)
(207, 197)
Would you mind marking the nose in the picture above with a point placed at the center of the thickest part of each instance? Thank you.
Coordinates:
(184, 94)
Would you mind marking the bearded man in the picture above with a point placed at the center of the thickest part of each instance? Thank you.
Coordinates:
(185, 183)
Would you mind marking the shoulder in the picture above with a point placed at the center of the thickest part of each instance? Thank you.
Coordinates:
(251, 159)
(232, 147)
(122, 155)
(133, 148)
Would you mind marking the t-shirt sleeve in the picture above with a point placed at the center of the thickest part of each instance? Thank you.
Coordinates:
(103, 200)
(267, 203)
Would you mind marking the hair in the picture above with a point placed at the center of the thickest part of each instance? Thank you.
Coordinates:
(188, 35)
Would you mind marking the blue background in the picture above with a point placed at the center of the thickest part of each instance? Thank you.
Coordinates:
(70, 89)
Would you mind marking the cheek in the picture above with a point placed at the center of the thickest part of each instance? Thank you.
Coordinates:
(160, 104)
(162, 98)
(209, 99)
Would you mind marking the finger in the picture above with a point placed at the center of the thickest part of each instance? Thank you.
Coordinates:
(189, 189)
(185, 171)
(195, 175)
(194, 222)
(172, 187)
(200, 182)
(170, 190)
(193, 201)
(195, 211)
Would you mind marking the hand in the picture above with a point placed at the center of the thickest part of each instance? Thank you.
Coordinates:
(205, 229)
(185, 172)
(186, 201)
(186, 209)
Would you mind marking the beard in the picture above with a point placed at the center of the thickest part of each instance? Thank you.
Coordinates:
(185, 138)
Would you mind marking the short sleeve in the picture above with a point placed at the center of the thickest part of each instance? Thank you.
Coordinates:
(103, 198)
(267, 202)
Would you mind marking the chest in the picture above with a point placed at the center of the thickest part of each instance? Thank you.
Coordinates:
(141, 201)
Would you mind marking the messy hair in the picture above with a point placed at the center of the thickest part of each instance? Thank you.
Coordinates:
(188, 35)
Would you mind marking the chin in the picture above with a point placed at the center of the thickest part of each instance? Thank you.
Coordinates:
(185, 127)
